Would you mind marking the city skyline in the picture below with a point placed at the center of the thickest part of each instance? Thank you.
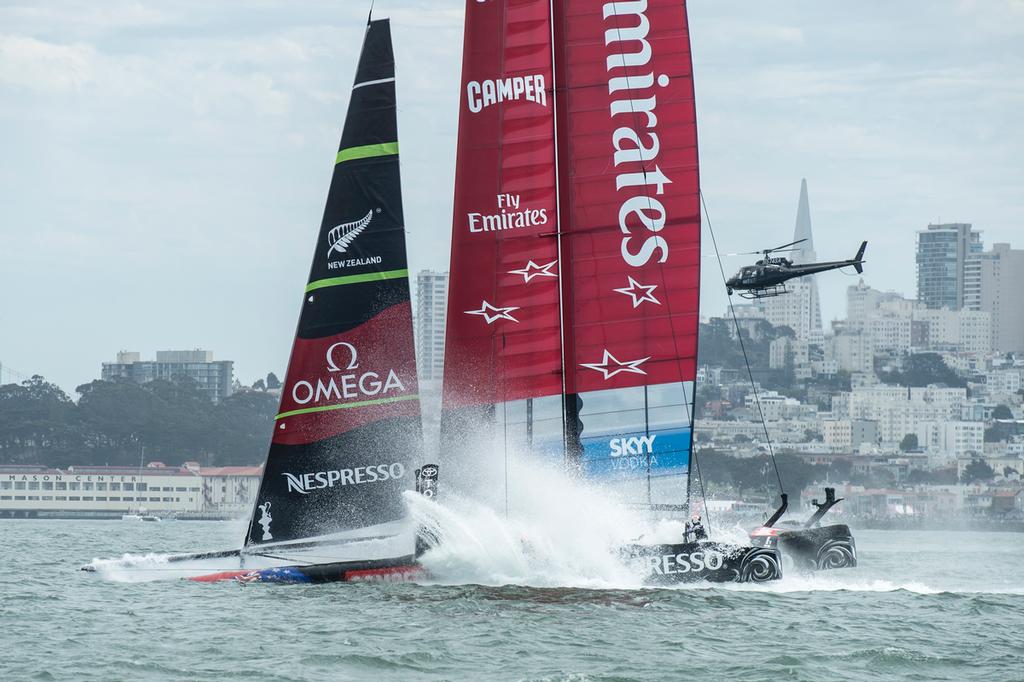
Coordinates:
(170, 165)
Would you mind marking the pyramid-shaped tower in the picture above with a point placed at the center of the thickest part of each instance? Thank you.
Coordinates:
(801, 308)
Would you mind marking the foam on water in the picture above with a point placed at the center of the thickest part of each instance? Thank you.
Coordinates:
(134, 568)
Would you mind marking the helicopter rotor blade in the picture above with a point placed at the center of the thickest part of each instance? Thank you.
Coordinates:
(779, 248)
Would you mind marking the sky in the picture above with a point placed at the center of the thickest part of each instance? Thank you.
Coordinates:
(164, 165)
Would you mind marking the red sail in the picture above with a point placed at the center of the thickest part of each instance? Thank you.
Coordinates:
(630, 209)
(502, 340)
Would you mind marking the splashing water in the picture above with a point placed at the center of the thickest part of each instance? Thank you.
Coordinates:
(557, 531)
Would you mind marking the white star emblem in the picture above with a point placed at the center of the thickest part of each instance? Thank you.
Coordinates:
(610, 366)
(492, 314)
(533, 270)
(639, 292)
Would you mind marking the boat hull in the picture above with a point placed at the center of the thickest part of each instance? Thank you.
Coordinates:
(816, 549)
(704, 561)
(234, 565)
(397, 571)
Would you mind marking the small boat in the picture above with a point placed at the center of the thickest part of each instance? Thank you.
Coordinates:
(141, 515)
(330, 505)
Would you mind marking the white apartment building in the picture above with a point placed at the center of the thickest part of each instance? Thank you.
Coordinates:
(862, 300)
(846, 435)
(1003, 382)
(892, 324)
(851, 351)
(431, 316)
(898, 410)
(776, 407)
(784, 349)
(1000, 283)
(214, 377)
(946, 441)
(967, 331)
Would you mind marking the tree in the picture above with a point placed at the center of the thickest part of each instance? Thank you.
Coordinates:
(977, 470)
(1002, 412)
(273, 383)
(1000, 432)
(909, 442)
(258, 385)
(38, 421)
(242, 426)
(923, 369)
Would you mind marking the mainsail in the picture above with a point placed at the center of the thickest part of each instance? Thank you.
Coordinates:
(348, 428)
(616, 342)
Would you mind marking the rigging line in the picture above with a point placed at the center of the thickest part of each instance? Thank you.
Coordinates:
(703, 496)
(743, 347)
(504, 422)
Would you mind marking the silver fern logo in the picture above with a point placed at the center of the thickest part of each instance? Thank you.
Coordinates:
(341, 236)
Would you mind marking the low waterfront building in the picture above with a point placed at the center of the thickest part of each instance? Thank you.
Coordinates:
(108, 492)
(105, 490)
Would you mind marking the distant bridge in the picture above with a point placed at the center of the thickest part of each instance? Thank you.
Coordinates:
(9, 375)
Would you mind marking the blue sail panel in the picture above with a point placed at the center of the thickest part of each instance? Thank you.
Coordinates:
(637, 454)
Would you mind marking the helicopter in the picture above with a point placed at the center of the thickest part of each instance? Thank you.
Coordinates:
(767, 277)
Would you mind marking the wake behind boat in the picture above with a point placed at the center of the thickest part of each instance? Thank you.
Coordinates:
(348, 431)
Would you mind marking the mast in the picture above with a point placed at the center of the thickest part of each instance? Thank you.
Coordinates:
(348, 427)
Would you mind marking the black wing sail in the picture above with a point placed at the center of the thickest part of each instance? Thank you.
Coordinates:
(349, 423)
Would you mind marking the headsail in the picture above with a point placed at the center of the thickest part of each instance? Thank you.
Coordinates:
(348, 429)
(502, 338)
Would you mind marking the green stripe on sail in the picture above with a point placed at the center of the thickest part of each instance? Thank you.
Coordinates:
(345, 406)
(366, 151)
(356, 279)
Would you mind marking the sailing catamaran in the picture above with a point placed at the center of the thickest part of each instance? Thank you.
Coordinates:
(330, 502)
(575, 267)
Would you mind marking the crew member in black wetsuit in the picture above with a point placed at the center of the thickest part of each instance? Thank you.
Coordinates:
(695, 529)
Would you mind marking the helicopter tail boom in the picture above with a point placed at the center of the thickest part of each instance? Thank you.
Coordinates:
(859, 258)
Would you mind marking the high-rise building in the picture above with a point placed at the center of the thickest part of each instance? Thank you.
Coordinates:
(1000, 283)
(800, 310)
(213, 376)
(431, 308)
(947, 266)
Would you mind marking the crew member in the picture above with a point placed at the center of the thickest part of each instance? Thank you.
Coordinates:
(695, 529)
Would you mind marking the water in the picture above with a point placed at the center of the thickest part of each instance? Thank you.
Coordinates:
(922, 605)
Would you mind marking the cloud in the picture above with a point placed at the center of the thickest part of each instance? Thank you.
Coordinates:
(45, 67)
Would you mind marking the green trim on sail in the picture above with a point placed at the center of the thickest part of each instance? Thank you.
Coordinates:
(356, 279)
(366, 151)
(345, 406)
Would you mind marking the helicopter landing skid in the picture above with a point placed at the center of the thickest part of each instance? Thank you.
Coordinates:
(766, 292)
